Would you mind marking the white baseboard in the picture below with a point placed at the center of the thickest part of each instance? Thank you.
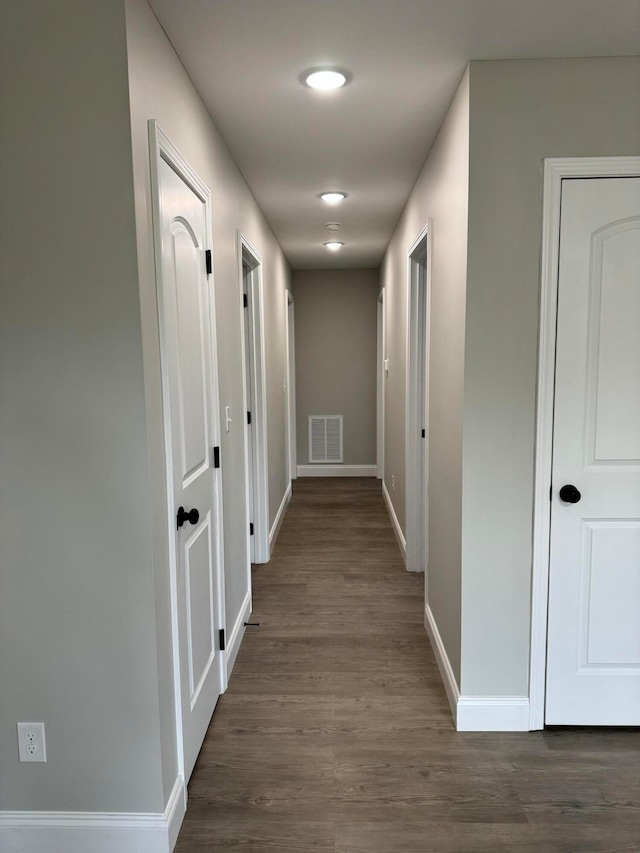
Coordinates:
(337, 470)
(444, 665)
(94, 832)
(476, 713)
(402, 542)
(277, 523)
(175, 810)
(237, 633)
(493, 714)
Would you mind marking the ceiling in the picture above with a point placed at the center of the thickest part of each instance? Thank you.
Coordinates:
(371, 138)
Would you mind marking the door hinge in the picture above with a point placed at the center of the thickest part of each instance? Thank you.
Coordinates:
(251, 528)
(208, 262)
(248, 417)
(223, 644)
(424, 433)
(245, 300)
(550, 493)
(216, 457)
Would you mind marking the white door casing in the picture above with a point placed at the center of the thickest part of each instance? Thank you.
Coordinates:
(249, 405)
(186, 306)
(255, 395)
(291, 388)
(587, 554)
(417, 395)
(380, 385)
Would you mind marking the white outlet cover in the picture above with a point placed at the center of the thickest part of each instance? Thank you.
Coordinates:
(32, 745)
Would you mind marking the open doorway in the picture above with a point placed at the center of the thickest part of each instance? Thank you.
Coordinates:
(255, 400)
(417, 437)
(380, 375)
(290, 415)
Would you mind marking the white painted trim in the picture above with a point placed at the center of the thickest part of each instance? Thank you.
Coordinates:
(98, 832)
(175, 810)
(380, 386)
(291, 386)
(287, 391)
(161, 148)
(492, 714)
(246, 443)
(442, 659)
(277, 522)
(259, 513)
(555, 171)
(417, 390)
(402, 542)
(337, 470)
(237, 633)
(475, 713)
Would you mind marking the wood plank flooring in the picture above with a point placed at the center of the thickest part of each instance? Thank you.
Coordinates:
(335, 735)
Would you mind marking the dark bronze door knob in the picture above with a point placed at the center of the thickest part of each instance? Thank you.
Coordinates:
(183, 516)
(569, 494)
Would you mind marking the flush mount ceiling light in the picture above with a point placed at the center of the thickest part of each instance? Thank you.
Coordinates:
(325, 79)
(332, 197)
(333, 245)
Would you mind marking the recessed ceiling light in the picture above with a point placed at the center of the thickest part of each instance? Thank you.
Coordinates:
(333, 197)
(333, 245)
(325, 78)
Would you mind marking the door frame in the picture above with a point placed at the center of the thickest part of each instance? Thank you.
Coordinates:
(259, 512)
(292, 452)
(380, 375)
(160, 148)
(417, 392)
(555, 171)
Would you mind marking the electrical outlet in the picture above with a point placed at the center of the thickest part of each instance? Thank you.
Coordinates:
(31, 742)
(393, 483)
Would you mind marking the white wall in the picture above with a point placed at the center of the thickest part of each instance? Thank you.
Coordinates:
(521, 112)
(440, 193)
(77, 622)
(336, 344)
(160, 89)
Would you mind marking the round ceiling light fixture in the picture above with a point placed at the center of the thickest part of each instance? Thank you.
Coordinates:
(325, 79)
(332, 197)
(334, 245)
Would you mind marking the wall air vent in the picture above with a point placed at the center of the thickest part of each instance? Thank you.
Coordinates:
(325, 438)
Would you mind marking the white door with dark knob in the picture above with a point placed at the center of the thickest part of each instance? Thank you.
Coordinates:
(593, 656)
(187, 326)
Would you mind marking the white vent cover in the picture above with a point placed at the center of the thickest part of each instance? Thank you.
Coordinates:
(325, 438)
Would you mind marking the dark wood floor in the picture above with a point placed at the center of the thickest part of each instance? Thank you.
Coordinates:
(335, 733)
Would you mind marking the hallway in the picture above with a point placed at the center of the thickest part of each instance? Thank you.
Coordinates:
(335, 733)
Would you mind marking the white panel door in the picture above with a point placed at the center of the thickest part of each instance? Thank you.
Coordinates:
(191, 389)
(593, 664)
